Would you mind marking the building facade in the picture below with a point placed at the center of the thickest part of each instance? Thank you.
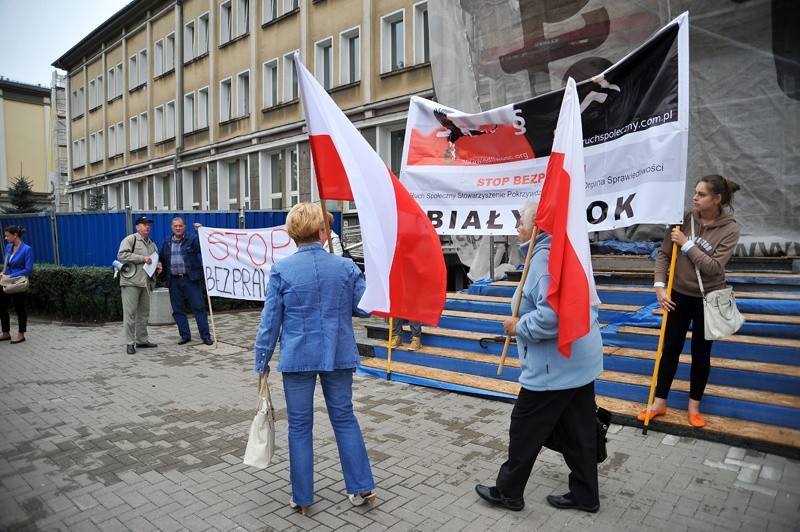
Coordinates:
(25, 138)
(194, 104)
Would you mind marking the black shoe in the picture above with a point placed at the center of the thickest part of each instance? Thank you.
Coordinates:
(208, 341)
(566, 502)
(146, 345)
(493, 496)
(131, 349)
(184, 341)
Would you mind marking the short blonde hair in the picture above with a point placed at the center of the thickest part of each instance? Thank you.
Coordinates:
(304, 222)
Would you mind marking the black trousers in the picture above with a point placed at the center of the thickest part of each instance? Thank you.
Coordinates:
(688, 310)
(534, 417)
(18, 300)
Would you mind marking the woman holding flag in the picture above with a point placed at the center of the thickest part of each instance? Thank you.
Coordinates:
(557, 393)
(710, 249)
(311, 298)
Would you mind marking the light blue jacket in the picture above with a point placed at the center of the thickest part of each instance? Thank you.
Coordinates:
(311, 299)
(543, 367)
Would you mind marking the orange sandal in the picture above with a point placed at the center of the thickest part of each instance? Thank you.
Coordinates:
(653, 414)
(697, 421)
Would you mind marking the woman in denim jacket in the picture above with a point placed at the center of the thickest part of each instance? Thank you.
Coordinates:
(311, 298)
(19, 261)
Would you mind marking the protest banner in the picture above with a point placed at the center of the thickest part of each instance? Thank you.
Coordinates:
(236, 262)
(472, 173)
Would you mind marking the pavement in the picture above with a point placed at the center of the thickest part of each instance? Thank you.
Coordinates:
(94, 439)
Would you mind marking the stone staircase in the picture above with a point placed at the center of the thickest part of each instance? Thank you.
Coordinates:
(753, 395)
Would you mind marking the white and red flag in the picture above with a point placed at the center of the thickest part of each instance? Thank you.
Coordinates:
(562, 213)
(405, 271)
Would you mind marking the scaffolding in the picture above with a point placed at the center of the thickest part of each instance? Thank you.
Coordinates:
(59, 167)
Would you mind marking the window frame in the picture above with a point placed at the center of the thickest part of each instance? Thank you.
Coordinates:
(389, 63)
(345, 48)
(270, 85)
(323, 63)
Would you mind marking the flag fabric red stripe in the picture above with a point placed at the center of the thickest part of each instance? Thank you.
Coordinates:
(331, 177)
(405, 271)
(561, 213)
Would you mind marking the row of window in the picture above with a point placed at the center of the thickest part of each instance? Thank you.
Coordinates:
(196, 44)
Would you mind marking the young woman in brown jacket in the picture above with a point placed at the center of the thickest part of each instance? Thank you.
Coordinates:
(716, 235)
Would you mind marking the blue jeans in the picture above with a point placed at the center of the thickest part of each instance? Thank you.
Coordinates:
(337, 387)
(181, 289)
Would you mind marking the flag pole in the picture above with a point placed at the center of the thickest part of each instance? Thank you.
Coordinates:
(389, 355)
(660, 348)
(519, 299)
(211, 315)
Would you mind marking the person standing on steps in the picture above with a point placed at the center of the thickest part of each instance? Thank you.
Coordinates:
(397, 334)
(137, 249)
(183, 272)
(716, 236)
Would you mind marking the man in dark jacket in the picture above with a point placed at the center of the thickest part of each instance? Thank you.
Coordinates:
(180, 257)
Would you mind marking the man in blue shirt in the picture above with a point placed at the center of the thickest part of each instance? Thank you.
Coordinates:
(183, 271)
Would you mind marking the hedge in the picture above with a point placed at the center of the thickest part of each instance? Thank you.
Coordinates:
(89, 294)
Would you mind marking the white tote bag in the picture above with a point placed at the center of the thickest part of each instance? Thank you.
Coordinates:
(261, 442)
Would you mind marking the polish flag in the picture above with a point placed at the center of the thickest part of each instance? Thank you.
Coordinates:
(405, 272)
(562, 214)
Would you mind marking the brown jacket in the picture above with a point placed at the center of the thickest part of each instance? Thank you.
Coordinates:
(713, 247)
(135, 249)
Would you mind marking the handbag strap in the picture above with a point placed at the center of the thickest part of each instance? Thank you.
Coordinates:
(696, 269)
(263, 390)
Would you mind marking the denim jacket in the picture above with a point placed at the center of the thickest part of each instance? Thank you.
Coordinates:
(311, 299)
(190, 249)
(543, 367)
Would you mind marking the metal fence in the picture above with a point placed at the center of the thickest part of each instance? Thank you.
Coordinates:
(93, 238)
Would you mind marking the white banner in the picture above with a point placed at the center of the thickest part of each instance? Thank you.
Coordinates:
(236, 262)
(472, 173)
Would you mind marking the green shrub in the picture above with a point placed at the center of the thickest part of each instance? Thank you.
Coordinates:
(90, 294)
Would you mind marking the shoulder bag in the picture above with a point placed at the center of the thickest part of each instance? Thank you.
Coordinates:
(14, 285)
(261, 442)
(720, 314)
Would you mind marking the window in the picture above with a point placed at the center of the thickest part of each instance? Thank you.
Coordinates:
(225, 17)
(78, 153)
(290, 90)
(169, 52)
(96, 92)
(112, 140)
(271, 181)
(158, 58)
(77, 103)
(233, 184)
(350, 56)
(390, 146)
(134, 132)
(188, 113)
(112, 88)
(269, 9)
(243, 94)
(323, 63)
(144, 130)
(202, 108)
(202, 34)
(119, 80)
(188, 41)
(137, 195)
(422, 48)
(100, 92)
(290, 5)
(120, 138)
(199, 192)
(169, 121)
(101, 146)
(242, 17)
(270, 86)
(92, 147)
(392, 42)
(158, 123)
(162, 192)
(142, 67)
(133, 72)
(225, 100)
(92, 95)
(292, 187)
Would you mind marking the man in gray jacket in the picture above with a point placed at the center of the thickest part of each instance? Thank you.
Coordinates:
(137, 249)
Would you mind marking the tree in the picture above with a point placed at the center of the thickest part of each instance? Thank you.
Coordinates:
(21, 197)
(97, 200)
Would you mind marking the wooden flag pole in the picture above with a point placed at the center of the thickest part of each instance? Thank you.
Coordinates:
(660, 348)
(389, 355)
(519, 299)
(211, 315)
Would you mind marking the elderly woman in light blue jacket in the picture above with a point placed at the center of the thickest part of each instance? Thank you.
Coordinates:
(311, 298)
(557, 393)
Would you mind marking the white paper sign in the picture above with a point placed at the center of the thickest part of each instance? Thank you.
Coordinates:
(236, 262)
